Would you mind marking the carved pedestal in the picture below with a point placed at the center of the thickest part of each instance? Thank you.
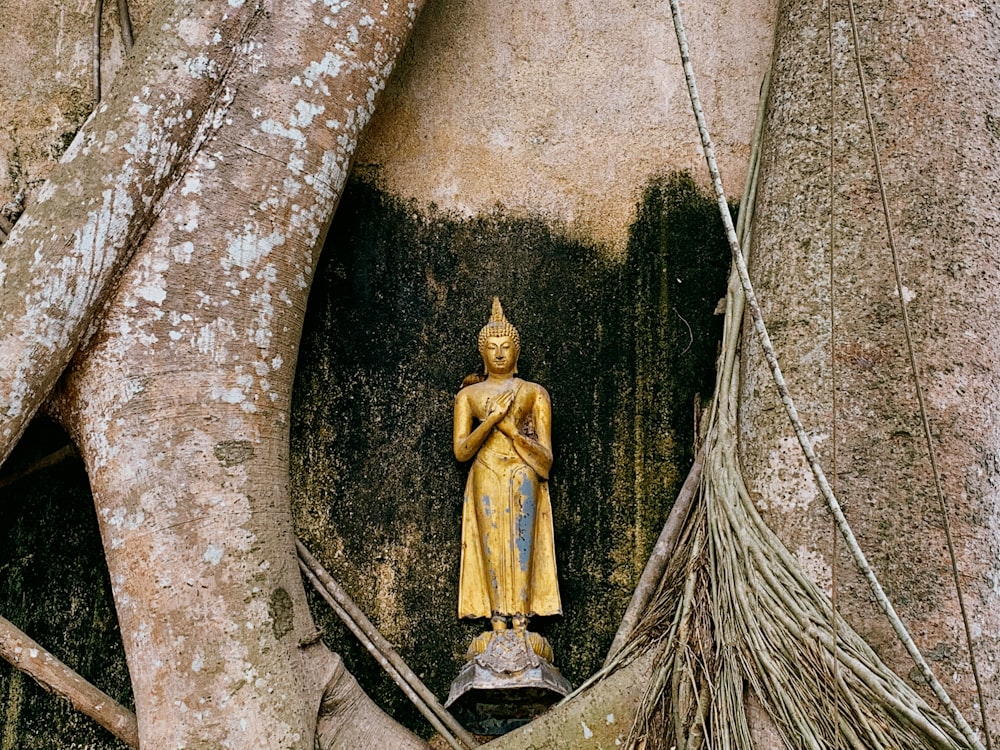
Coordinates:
(506, 685)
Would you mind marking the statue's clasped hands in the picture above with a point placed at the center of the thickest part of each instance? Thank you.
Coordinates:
(497, 408)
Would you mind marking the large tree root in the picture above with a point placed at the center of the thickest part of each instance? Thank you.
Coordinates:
(350, 720)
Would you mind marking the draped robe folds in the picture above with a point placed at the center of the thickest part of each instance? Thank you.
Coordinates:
(508, 561)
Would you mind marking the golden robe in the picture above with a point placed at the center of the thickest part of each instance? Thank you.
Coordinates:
(508, 562)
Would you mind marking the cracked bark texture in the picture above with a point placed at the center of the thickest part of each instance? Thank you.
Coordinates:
(932, 78)
(219, 160)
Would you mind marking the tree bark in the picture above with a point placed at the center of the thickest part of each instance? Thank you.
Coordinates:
(180, 404)
(67, 251)
(928, 71)
(600, 716)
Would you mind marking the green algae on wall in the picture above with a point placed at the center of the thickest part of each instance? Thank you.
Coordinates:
(623, 347)
(54, 586)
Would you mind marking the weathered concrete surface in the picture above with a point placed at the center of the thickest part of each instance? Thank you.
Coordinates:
(565, 108)
(525, 139)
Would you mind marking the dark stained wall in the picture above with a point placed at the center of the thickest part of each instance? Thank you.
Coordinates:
(54, 586)
(623, 346)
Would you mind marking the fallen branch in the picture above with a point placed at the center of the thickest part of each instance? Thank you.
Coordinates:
(27, 656)
(442, 721)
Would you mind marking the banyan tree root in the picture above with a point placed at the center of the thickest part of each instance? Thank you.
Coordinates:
(740, 623)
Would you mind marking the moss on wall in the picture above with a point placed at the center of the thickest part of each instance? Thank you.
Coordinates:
(54, 586)
(622, 347)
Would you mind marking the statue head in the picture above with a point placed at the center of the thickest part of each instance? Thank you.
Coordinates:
(498, 328)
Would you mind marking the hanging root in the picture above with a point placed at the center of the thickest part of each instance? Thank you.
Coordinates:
(737, 622)
(738, 625)
(738, 618)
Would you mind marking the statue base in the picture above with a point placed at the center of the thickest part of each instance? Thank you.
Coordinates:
(506, 683)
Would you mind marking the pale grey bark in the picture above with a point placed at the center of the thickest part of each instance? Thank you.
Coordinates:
(67, 250)
(928, 73)
(180, 404)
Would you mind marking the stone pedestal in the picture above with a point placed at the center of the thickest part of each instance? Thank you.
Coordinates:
(506, 685)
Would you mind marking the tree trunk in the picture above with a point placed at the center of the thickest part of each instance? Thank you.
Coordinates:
(180, 405)
(931, 76)
(67, 251)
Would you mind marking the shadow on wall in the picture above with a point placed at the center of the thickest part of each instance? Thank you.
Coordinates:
(623, 347)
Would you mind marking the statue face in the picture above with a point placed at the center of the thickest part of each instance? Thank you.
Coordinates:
(500, 355)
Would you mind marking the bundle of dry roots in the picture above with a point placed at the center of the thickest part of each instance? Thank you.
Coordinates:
(737, 622)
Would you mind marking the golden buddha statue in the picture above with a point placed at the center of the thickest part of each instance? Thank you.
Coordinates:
(503, 424)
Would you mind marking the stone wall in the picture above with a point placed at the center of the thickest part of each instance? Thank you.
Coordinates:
(623, 346)
(565, 109)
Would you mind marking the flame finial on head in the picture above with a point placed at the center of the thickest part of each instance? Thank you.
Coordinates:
(498, 325)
